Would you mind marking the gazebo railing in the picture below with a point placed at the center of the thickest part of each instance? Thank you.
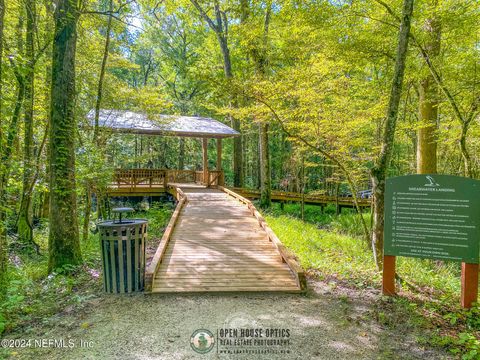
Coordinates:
(159, 178)
(139, 177)
(199, 177)
(180, 176)
(215, 177)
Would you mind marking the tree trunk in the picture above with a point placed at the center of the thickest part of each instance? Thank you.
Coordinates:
(220, 27)
(64, 243)
(467, 161)
(302, 204)
(265, 173)
(102, 75)
(378, 173)
(238, 174)
(86, 215)
(181, 155)
(238, 178)
(45, 205)
(266, 179)
(426, 134)
(337, 194)
(256, 163)
(227, 62)
(428, 106)
(24, 223)
(3, 235)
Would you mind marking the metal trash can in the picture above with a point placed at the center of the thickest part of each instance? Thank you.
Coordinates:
(123, 253)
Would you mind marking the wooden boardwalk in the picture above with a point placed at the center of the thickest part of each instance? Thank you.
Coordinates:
(322, 200)
(217, 242)
(155, 182)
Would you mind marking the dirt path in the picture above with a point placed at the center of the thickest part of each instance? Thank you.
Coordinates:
(327, 323)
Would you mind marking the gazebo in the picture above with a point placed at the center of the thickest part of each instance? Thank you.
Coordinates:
(129, 122)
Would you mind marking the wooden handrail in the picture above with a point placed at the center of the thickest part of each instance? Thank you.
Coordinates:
(284, 195)
(133, 181)
(157, 258)
(287, 256)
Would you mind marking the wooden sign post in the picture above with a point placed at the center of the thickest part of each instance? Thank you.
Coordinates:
(433, 217)
(469, 284)
(388, 283)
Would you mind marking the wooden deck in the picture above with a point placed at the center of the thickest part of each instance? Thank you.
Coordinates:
(217, 241)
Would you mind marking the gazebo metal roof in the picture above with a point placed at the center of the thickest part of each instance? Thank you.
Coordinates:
(167, 125)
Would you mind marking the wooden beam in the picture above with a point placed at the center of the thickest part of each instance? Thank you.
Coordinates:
(205, 160)
(469, 284)
(388, 278)
(219, 154)
(220, 180)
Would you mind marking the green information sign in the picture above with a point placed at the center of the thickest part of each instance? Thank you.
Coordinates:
(433, 217)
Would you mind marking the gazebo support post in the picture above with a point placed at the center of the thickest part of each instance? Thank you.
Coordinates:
(220, 180)
(205, 160)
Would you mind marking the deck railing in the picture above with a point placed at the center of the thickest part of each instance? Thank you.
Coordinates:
(215, 178)
(137, 179)
(199, 177)
(180, 176)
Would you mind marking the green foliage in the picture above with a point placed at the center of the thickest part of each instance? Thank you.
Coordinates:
(158, 217)
(320, 249)
(341, 255)
(346, 223)
(33, 295)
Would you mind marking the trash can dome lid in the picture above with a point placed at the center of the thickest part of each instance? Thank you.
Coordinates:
(122, 209)
(125, 224)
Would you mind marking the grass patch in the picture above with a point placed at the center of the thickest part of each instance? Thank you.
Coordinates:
(332, 246)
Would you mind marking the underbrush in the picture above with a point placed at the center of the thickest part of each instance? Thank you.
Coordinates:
(33, 296)
(333, 247)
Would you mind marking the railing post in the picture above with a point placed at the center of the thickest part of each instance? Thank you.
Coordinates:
(219, 163)
(132, 180)
(205, 160)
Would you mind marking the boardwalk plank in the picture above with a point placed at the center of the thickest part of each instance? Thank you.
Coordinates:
(218, 246)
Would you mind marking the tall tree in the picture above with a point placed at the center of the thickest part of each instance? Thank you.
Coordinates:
(259, 53)
(378, 172)
(265, 171)
(428, 101)
(103, 67)
(96, 131)
(219, 25)
(24, 223)
(64, 244)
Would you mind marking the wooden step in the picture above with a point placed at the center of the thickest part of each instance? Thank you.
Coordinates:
(196, 289)
(162, 273)
(182, 283)
(213, 266)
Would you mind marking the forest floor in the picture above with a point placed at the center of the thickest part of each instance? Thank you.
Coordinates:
(329, 322)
